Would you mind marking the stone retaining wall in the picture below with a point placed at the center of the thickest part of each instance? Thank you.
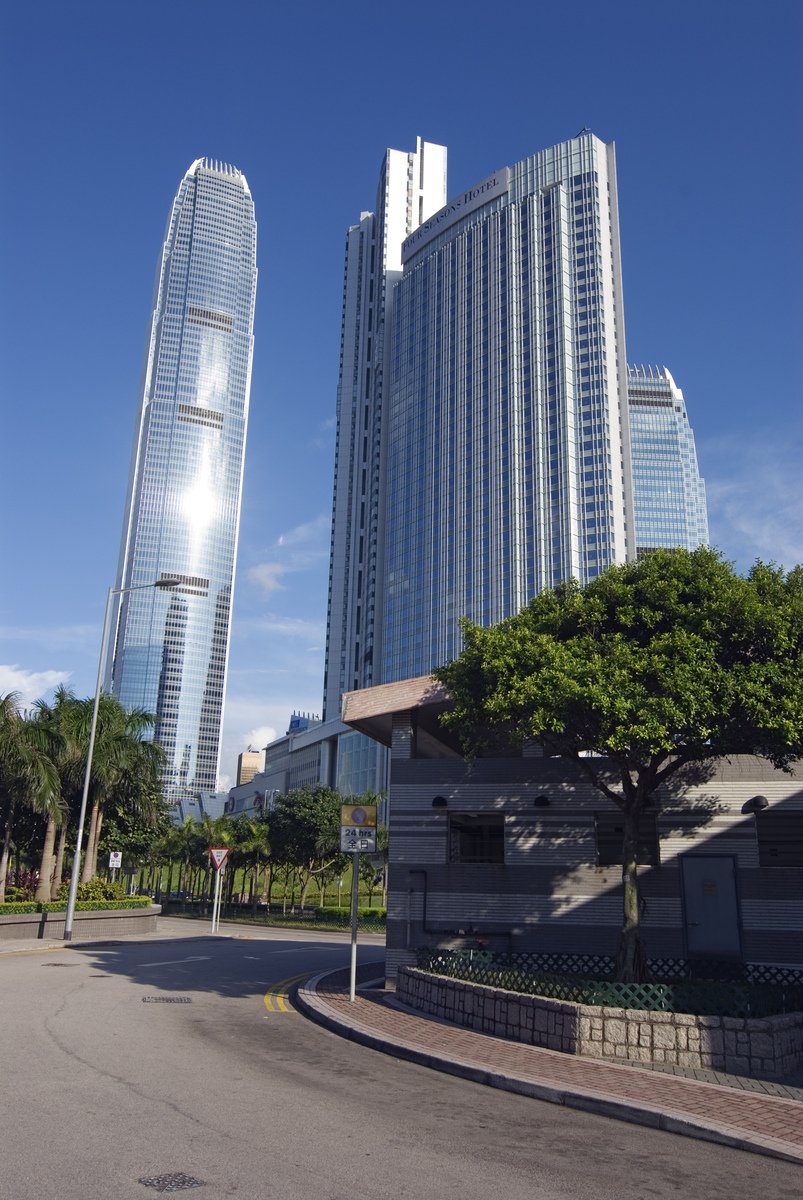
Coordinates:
(767, 1046)
(109, 922)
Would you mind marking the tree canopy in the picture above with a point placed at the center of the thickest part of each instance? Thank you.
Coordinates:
(656, 664)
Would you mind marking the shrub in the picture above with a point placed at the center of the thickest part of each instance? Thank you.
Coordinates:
(366, 915)
(22, 884)
(96, 905)
(96, 889)
(18, 906)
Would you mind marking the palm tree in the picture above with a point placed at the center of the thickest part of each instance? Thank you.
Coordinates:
(27, 773)
(68, 755)
(214, 832)
(122, 762)
(251, 850)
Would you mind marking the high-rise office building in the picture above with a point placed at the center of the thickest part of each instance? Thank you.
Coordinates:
(412, 186)
(483, 448)
(668, 493)
(170, 648)
(508, 461)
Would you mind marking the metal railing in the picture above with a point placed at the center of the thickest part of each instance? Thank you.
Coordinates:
(760, 991)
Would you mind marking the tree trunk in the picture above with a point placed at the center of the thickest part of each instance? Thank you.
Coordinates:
(254, 897)
(47, 863)
(6, 850)
(93, 857)
(55, 886)
(631, 960)
(86, 870)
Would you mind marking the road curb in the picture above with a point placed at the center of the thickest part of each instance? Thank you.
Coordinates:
(314, 1007)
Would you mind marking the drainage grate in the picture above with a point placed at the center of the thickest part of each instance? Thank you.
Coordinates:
(61, 964)
(167, 999)
(175, 1182)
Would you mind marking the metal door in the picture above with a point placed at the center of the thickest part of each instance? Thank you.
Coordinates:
(710, 907)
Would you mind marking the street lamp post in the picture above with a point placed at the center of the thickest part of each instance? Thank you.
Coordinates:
(162, 584)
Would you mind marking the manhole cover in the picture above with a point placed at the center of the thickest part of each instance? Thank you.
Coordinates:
(174, 1182)
(61, 964)
(167, 999)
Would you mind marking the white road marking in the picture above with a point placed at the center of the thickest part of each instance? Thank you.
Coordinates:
(169, 962)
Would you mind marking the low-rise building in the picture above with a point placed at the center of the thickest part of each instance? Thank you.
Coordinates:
(524, 854)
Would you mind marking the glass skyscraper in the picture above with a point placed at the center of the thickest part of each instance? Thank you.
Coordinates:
(508, 459)
(668, 493)
(412, 186)
(170, 648)
(484, 434)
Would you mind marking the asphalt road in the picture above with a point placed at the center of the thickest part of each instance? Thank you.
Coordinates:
(133, 1061)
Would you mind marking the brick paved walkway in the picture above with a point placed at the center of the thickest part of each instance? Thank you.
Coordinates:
(751, 1120)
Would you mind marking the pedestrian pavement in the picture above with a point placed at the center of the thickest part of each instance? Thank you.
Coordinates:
(745, 1118)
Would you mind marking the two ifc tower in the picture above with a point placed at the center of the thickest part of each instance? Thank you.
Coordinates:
(491, 439)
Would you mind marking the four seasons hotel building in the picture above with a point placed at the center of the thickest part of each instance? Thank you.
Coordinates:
(507, 443)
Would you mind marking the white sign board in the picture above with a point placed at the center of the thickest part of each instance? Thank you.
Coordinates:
(115, 859)
(354, 840)
(219, 854)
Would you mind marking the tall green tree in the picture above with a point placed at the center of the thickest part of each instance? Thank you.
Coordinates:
(28, 775)
(125, 762)
(305, 832)
(251, 850)
(68, 751)
(661, 663)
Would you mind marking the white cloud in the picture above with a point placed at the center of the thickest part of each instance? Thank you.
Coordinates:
(268, 576)
(309, 531)
(297, 628)
(258, 738)
(753, 490)
(30, 685)
(252, 721)
(55, 637)
(323, 440)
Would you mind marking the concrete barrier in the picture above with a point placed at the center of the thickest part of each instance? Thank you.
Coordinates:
(97, 923)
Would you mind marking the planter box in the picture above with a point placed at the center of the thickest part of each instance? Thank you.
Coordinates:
(102, 923)
(767, 1046)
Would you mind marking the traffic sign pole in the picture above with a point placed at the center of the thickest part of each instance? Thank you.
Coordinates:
(216, 903)
(218, 855)
(355, 896)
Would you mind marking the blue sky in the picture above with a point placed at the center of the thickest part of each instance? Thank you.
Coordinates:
(107, 104)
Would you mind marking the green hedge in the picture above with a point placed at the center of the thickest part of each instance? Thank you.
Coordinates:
(363, 914)
(31, 906)
(97, 905)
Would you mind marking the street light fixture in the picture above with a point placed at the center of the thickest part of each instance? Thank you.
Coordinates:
(163, 585)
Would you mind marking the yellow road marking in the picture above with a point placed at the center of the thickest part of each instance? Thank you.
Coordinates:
(38, 950)
(275, 999)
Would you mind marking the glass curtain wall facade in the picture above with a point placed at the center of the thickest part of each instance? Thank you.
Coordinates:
(170, 648)
(668, 492)
(412, 186)
(508, 462)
